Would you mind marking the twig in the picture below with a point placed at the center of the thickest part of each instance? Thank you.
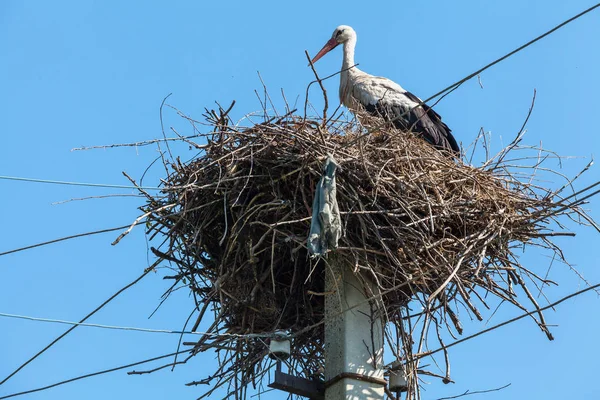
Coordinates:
(162, 126)
(326, 106)
(468, 392)
(69, 238)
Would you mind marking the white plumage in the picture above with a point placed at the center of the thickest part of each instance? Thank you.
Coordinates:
(383, 97)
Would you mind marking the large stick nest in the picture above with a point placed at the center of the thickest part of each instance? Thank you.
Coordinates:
(416, 222)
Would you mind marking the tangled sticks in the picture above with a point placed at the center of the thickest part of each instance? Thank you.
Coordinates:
(420, 225)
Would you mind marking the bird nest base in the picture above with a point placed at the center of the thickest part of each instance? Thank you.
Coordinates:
(419, 224)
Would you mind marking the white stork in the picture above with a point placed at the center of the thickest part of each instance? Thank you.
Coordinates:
(385, 98)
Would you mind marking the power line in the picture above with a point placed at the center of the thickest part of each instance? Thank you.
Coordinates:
(537, 310)
(474, 74)
(17, 178)
(187, 351)
(93, 374)
(130, 328)
(83, 320)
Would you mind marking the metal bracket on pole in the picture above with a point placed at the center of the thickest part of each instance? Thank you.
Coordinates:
(314, 390)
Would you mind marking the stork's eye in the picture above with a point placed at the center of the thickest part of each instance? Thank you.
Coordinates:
(339, 33)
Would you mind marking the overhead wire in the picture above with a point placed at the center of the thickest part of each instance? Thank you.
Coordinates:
(552, 305)
(136, 329)
(105, 371)
(39, 353)
(187, 351)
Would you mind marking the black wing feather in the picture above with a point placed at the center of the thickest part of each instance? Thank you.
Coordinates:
(421, 120)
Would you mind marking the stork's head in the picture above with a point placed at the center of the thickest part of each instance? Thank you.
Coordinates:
(341, 34)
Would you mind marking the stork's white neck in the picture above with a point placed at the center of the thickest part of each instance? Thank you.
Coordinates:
(349, 53)
(348, 72)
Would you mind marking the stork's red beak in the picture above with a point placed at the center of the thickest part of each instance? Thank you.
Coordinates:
(330, 45)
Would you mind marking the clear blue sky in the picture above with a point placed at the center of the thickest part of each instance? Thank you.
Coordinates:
(77, 73)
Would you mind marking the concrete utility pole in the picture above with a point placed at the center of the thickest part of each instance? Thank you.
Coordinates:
(353, 338)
